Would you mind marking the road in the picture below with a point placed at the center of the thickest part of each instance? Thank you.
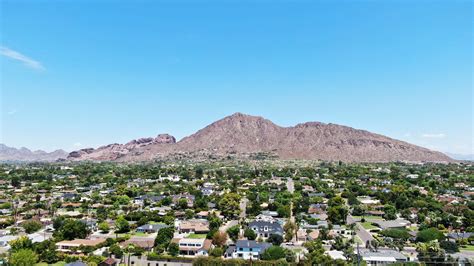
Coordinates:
(290, 185)
(243, 207)
(227, 225)
(362, 233)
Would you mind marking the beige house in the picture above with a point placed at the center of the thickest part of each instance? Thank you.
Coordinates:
(72, 246)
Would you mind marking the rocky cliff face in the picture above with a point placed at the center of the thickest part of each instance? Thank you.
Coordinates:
(245, 134)
(116, 151)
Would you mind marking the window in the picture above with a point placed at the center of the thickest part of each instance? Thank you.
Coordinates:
(240, 255)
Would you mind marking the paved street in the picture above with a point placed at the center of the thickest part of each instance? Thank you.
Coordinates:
(290, 185)
(243, 207)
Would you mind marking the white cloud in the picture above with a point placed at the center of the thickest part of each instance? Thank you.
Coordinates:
(5, 51)
(434, 135)
(12, 112)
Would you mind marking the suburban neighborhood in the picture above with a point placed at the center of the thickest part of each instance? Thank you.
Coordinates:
(213, 213)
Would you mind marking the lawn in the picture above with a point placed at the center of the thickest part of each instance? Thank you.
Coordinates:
(467, 248)
(368, 225)
(368, 217)
(59, 263)
(140, 234)
(197, 236)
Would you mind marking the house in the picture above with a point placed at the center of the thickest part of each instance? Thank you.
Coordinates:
(207, 190)
(71, 246)
(313, 235)
(341, 231)
(91, 224)
(189, 199)
(109, 262)
(384, 257)
(5, 239)
(150, 228)
(335, 254)
(368, 201)
(264, 229)
(171, 178)
(393, 224)
(140, 200)
(246, 249)
(264, 217)
(270, 213)
(301, 235)
(459, 236)
(193, 246)
(317, 208)
(69, 196)
(146, 243)
(197, 226)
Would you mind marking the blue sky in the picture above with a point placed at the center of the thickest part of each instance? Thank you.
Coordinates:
(78, 74)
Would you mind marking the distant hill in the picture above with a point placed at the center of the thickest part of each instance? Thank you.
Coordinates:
(243, 135)
(24, 154)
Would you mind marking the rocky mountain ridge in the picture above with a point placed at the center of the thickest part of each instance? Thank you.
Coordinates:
(23, 154)
(241, 135)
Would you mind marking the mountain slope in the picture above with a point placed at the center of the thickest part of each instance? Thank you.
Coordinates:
(24, 154)
(241, 134)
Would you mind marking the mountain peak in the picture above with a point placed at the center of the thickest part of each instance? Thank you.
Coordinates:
(242, 134)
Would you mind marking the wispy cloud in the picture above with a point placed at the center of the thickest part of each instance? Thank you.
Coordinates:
(29, 62)
(12, 112)
(433, 135)
(77, 144)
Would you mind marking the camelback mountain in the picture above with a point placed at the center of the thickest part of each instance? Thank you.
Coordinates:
(241, 135)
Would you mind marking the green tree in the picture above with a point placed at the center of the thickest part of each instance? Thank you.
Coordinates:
(250, 234)
(70, 229)
(31, 226)
(290, 230)
(430, 253)
(233, 232)
(23, 257)
(229, 205)
(116, 250)
(121, 225)
(449, 246)
(275, 239)
(46, 251)
(390, 212)
(23, 242)
(315, 255)
(104, 227)
(216, 252)
(337, 214)
(429, 234)
(164, 237)
(173, 249)
(273, 253)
